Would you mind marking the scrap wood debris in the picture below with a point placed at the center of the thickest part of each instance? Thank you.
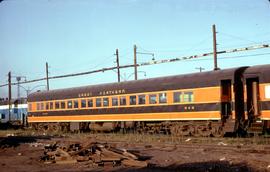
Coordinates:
(94, 153)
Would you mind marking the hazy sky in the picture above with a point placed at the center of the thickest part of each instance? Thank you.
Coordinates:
(82, 35)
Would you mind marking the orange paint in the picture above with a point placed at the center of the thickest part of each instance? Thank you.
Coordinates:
(211, 115)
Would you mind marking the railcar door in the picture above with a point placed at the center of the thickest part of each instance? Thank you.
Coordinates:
(226, 99)
(252, 87)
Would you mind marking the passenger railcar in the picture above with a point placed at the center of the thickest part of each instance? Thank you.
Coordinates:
(17, 115)
(206, 103)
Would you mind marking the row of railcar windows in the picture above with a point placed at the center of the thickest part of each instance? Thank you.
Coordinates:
(160, 98)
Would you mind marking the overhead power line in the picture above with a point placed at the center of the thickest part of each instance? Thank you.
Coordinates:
(148, 63)
(205, 54)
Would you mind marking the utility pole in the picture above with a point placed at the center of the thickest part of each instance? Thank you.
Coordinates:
(117, 61)
(18, 78)
(47, 76)
(215, 47)
(135, 62)
(9, 95)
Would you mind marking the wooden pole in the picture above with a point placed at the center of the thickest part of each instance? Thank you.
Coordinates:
(215, 47)
(135, 62)
(9, 95)
(117, 61)
(47, 76)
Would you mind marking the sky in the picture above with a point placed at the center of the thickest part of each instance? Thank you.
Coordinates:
(82, 35)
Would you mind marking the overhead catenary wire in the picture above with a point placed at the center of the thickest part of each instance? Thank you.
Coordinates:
(192, 47)
(231, 57)
(148, 63)
(238, 37)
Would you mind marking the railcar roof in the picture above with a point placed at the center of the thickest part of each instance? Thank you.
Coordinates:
(194, 80)
(258, 68)
(263, 71)
(18, 101)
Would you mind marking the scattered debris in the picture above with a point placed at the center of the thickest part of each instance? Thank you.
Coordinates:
(188, 140)
(223, 144)
(169, 148)
(36, 144)
(12, 134)
(19, 154)
(96, 154)
(268, 166)
(222, 159)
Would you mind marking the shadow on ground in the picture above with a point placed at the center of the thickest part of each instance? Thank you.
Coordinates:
(14, 141)
(211, 166)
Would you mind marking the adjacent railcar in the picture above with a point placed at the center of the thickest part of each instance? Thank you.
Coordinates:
(206, 103)
(17, 115)
(257, 98)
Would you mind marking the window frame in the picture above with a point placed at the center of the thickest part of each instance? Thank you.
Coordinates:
(83, 103)
(75, 104)
(51, 105)
(63, 103)
(150, 100)
(122, 98)
(98, 102)
(69, 104)
(57, 105)
(113, 102)
(190, 97)
(160, 96)
(47, 106)
(144, 98)
(180, 97)
(103, 102)
(131, 100)
(90, 102)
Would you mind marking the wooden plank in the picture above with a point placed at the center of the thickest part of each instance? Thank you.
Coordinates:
(134, 163)
(70, 161)
(130, 155)
(82, 158)
(110, 159)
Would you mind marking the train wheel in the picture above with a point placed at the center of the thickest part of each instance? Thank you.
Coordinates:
(217, 131)
(203, 131)
(43, 127)
(185, 130)
(54, 127)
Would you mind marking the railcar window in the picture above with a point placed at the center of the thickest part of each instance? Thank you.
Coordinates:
(41, 106)
(90, 103)
(57, 105)
(38, 106)
(98, 102)
(63, 105)
(152, 99)
(69, 104)
(114, 101)
(51, 105)
(47, 105)
(76, 104)
(106, 101)
(123, 101)
(141, 99)
(83, 103)
(3, 116)
(162, 97)
(177, 97)
(188, 97)
(132, 100)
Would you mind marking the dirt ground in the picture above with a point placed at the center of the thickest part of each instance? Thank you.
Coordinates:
(22, 152)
